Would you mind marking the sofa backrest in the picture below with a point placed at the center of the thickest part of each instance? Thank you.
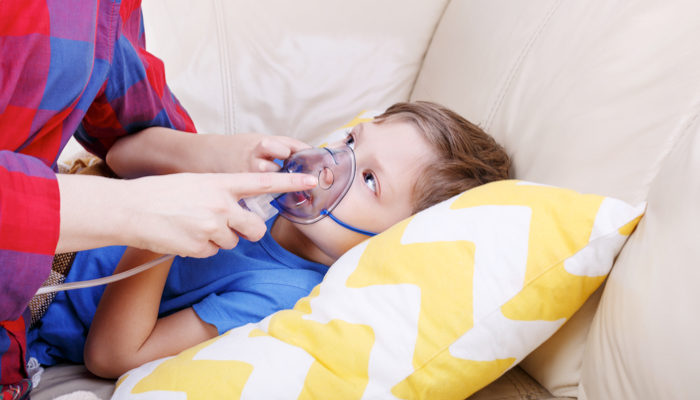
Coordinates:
(295, 68)
(601, 96)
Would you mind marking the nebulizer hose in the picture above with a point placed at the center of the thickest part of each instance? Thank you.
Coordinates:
(106, 279)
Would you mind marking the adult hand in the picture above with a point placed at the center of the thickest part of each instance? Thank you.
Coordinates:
(267, 149)
(160, 151)
(185, 214)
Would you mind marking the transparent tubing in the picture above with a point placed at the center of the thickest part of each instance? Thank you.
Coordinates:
(106, 279)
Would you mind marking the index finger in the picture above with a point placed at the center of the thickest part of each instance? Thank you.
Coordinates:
(252, 184)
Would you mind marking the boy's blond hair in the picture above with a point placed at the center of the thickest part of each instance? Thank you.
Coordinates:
(467, 156)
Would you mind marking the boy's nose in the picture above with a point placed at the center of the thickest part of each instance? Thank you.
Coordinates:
(325, 178)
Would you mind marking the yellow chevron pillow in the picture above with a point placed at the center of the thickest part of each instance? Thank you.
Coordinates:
(434, 308)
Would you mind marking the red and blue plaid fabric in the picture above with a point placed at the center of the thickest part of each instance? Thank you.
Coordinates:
(66, 67)
(13, 347)
(16, 391)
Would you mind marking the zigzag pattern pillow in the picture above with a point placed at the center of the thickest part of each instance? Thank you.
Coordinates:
(436, 307)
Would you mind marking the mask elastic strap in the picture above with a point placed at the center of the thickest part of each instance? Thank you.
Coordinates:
(344, 225)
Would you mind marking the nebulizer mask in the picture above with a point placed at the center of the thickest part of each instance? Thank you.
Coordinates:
(335, 170)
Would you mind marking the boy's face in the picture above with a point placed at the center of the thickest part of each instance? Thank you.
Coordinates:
(389, 158)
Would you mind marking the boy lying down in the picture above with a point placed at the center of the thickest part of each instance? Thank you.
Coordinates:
(409, 158)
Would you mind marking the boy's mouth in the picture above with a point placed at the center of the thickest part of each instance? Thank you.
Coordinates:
(300, 198)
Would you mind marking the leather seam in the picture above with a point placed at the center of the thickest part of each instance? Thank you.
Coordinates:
(230, 76)
(665, 153)
(427, 48)
(516, 66)
(225, 68)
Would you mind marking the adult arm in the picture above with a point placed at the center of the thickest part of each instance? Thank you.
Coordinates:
(184, 214)
(160, 151)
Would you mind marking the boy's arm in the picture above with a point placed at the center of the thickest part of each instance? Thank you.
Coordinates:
(160, 151)
(126, 332)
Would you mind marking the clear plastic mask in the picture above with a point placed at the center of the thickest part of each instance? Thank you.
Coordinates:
(335, 169)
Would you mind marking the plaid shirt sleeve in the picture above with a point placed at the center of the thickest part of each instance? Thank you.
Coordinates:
(29, 211)
(66, 67)
(135, 96)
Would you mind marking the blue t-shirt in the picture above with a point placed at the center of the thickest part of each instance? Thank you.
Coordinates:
(230, 289)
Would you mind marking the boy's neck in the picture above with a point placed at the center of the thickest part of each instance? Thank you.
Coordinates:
(287, 235)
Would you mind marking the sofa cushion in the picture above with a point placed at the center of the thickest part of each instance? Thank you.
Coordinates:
(438, 306)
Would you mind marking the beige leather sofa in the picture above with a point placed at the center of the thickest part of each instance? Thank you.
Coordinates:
(602, 96)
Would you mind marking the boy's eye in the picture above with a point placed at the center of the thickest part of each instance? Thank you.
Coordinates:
(370, 181)
(350, 140)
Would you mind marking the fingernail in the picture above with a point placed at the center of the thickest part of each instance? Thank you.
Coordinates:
(310, 180)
